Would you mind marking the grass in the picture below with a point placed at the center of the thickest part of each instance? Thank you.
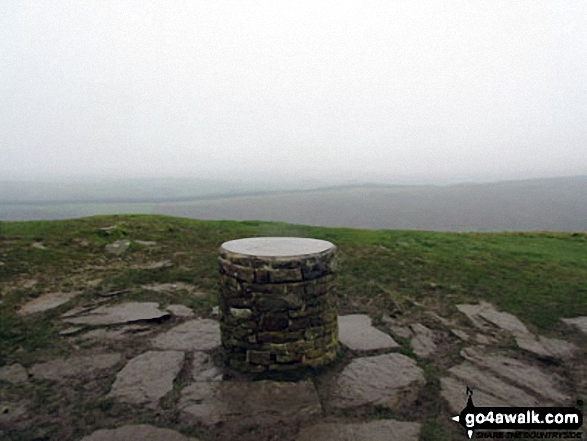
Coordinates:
(540, 277)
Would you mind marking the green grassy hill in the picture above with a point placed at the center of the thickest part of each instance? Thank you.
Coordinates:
(540, 277)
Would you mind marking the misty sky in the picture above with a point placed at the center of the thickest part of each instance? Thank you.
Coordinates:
(396, 91)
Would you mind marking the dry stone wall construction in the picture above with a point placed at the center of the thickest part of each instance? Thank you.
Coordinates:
(278, 312)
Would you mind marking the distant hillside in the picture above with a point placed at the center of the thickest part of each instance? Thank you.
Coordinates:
(555, 204)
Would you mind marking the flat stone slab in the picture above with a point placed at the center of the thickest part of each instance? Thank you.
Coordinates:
(357, 333)
(75, 366)
(180, 310)
(148, 243)
(115, 334)
(485, 313)
(579, 322)
(47, 301)
(123, 313)
(194, 335)
(248, 403)
(546, 347)
(388, 380)
(118, 247)
(546, 386)
(147, 378)
(203, 369)
(277, 246)
(137, 432)
(15, 373)
(382, 430)
(422, 342)
(497, 380)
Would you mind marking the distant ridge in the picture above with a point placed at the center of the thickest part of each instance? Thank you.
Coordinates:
(552, 204)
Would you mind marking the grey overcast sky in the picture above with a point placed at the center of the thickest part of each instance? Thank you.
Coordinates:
(431, 91)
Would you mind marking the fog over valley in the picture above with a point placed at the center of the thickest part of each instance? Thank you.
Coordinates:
(386, 115)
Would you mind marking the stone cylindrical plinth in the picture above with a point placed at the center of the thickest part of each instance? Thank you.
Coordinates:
(278, 311)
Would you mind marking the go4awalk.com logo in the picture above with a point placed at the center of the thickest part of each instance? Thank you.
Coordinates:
(534, 422)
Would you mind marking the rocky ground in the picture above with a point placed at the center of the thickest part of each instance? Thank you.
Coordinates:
(137, 357)
(139, 370)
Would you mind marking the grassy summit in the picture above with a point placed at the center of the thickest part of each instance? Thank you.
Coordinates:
(406, 275)
(539, 277)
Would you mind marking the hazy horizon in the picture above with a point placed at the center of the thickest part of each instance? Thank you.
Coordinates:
(334, 92)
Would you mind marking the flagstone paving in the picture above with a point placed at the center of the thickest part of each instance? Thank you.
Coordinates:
(356, 332)
(47, 301)
(249, 403)
(169, 373)
(147, 378)
(137, 432)
(74, 366)
(128, 312)
(383, 430)
(194, 335)
(387, 380)
(579, 322)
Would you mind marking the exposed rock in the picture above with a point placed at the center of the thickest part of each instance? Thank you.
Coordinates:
(122, 313)
(215, 311)
(118, 247)
(546, 347)
(442, 320)
(114, 293)
(389, 380)
(485, 339)
(489, 390)
(497, 380)
(75, 366)
(47, 301)
(147, 378)
(357, 333)
(546, 386)
(453, 390)
(530, 343)
(381, 430)
(137, 432)
(423, 341)
(195, 335)
(180, 310)
(248, 403)
(170, 287)
(204, 369)
(15, 373)
(402, 332)
(558, 348)
(103, 334)
(147, 243)
(460, 334)
(472, 312)
(115, 334)
(77, 310)
(71, 330)
(38, 246)
(579, 322)
(504, 320)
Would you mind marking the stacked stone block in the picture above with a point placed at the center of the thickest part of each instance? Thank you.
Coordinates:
(278, 313)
